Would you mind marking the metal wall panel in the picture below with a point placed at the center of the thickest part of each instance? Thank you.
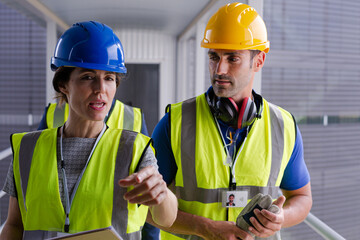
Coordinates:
(146, 44)
(22, 64)
(311, 70)
(22, 81)
(143, 46)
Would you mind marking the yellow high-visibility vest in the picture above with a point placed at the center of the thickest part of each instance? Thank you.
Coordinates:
(200, 153)
(98, 202)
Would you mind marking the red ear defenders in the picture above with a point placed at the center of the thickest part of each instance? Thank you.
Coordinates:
(228, 111)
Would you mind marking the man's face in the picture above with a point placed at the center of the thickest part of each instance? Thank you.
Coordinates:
(231, 198)
(232, 72)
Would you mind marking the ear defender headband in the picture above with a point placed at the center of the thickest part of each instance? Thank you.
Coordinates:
(228, 111)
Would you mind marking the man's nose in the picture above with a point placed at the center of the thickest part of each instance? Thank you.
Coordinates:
(222, 67)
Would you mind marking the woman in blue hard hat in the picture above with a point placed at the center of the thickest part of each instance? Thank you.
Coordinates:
(83, 175)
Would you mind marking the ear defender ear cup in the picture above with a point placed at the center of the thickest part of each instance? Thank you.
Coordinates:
(247, 113)
(229, 111)
(226, 110)
(211, 98)
(232, 115)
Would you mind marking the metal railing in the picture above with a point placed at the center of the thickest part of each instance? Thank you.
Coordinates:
(313, 222)
(321, 228)
(5, 153)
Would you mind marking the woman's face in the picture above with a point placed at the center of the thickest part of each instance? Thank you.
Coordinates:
(90, 93)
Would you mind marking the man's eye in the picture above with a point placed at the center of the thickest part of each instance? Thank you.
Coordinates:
(213, 58)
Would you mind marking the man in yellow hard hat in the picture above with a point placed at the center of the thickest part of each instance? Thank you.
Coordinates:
(230, 140)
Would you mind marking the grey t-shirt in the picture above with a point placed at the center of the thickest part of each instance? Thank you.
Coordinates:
(75, 153)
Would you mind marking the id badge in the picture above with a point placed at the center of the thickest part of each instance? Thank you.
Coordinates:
(232, 199)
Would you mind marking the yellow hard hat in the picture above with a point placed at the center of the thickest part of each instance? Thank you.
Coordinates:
(236, 26)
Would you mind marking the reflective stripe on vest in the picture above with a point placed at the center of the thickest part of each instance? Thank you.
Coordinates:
(120, 210)
(191, 145)
(126, 117)
(122, 116)
(124, 163)
(25, 155)
(56, 116)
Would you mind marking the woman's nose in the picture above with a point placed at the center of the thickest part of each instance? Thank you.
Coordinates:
(99, 85)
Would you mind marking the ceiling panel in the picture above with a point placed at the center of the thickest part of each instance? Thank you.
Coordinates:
(170, 16)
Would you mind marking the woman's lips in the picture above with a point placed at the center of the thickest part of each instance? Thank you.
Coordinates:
(97, 105)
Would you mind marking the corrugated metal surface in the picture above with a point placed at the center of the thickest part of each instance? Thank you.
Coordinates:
(312, 71)
(332, 155)
(146, 44)
(22, 80)
(311, 92)
(143, 46)
(22, 64)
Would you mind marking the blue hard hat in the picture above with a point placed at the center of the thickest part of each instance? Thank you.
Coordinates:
(91, 45)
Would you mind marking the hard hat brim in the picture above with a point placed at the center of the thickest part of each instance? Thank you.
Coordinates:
(56, 63)
(261, 47)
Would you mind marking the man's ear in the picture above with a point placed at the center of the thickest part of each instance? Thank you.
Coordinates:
(259, 61)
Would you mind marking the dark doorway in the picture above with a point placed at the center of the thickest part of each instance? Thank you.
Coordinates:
(141, 89)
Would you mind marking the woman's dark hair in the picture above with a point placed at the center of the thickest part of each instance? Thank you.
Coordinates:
(62, 77)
